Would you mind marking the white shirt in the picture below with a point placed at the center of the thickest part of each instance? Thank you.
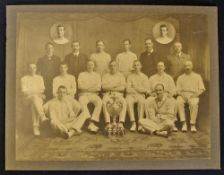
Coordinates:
(87, 80)
(61, 40)
(125, 61)
(66, 80)
(135, 80)
(101, 61)
(113, 80)
(32, 84)
(190, 83)
(166, 80)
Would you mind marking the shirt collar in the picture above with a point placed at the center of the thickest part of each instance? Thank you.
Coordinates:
(76, 54)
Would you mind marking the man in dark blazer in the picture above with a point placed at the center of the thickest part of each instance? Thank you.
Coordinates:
(76, 61)
(48, 68)
(176, 61)
(149, 59)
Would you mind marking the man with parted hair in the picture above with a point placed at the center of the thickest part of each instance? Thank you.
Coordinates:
(189, 87)
(76, 60)
(100, 58)
(125, 59)
(89, 84)
(65, 79)
(162, 77)
(66, 116)
(176, 61)
(48, 68)
(161, 114)
(32, 86)
(164, 37)
(61, 39)
(113, 85)
(149, 58)
(137, 86)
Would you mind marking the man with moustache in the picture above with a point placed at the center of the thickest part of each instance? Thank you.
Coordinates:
(48, 68)
(189, 88)
(176, 61)
(76, 60)
(149, 58)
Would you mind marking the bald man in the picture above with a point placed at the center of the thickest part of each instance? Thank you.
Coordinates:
(189, 88)
(176, 61)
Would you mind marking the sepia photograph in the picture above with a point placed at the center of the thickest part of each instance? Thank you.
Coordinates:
(131, 87)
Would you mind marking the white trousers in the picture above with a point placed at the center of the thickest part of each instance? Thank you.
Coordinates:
(84, 100)
(131, 99)
(37, 111)
(193, 107)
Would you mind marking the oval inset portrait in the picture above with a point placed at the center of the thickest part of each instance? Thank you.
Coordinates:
(164, 32)
(60, 33)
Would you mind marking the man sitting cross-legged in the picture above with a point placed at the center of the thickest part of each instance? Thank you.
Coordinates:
(65, 114)
(161, 114)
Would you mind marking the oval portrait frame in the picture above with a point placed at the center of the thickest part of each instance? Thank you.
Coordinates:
(171, 32)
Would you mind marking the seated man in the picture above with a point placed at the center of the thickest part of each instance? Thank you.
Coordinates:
(161, 114)
(169, 86)
(32, 86)
(137, 86)
(64, 114)
(66, 80)
(113, 85)
(89, 84)
(189, 87)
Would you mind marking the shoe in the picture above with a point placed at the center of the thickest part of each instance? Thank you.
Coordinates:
(184, 128)
(93, 128)
(36, 131)
(133, 127)
(43, 119)
(141, 129)
(193, 128)
(175, 129)
(162, 133)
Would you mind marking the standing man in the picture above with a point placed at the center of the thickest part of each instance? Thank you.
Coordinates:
(48, 68)
(149, 58)
(32, 86)
(189, 87)
(176, 61)
(161, 114)
(162, 77)
(76, 60)
(65, 114)
(66, 80)
(125, 59)
(113, 85)
(101, 59)
(89, 84)
(137, 86)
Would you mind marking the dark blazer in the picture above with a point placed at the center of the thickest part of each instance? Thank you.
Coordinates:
(76, 64)
(149, 62)
(48, 69)
(175, 65)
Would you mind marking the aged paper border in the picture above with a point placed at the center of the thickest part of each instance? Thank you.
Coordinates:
(11, 164)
